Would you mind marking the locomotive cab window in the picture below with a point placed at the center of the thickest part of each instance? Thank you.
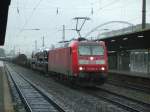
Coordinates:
(91, 50)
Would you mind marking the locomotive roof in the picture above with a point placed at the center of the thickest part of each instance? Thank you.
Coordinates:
(64, 44)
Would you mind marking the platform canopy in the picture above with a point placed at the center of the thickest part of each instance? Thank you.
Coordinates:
(135, 40)
(4, 5)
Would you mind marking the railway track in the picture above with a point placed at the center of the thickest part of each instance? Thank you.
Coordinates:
(32, 96)
(120, 100)
(136, 87)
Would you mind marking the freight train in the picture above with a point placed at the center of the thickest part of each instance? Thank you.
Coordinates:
(80, 60)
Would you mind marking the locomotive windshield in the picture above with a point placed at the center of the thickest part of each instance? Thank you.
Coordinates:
(91, 50)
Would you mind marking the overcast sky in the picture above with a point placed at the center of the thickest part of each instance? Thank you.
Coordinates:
(49, 15)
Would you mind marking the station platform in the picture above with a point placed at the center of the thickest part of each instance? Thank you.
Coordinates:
(129, 73)
(6, 104)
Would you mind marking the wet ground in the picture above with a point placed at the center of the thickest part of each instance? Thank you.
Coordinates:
(1, 89)
(6, 104)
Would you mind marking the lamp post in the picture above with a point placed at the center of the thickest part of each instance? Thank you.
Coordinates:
(143, 14)
(35, 45)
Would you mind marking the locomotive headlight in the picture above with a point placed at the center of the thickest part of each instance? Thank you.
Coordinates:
(80, 68)
(91, 58)
(102, 68)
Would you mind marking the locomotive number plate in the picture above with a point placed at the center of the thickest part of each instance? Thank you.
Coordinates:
(92, 62)
(91, 68)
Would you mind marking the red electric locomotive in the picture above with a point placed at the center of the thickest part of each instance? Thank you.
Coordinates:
(80, 61)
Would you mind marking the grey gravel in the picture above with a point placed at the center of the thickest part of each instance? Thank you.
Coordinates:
(74, 99)
(17, 103)
(140, 96)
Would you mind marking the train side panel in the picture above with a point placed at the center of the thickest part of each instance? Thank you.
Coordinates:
(74, 60)
(59, 61)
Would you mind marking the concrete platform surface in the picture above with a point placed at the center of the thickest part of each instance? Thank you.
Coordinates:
(6, 104)
(1, 91)
(129, 73)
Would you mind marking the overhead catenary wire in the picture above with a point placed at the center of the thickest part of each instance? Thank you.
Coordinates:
(57, 12)
(102, 10)
(75, 8)
(107, 7)
(109, 4)
(27, 21)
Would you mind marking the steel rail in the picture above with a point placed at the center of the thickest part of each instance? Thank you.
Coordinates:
(130, 86)
(34, 99)
(123, 101)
